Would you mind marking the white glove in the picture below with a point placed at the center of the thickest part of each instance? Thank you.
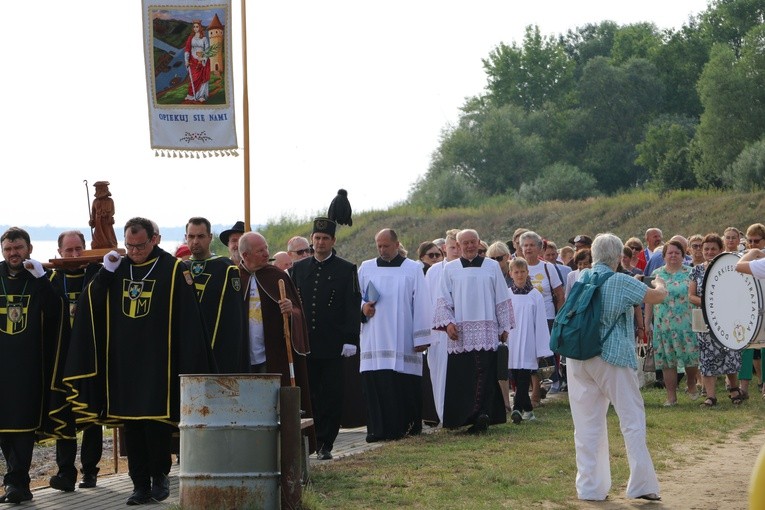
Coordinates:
(34, 267)
(348, 350)
(112, 261)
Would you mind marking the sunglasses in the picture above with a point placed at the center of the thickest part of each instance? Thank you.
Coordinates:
(434, 255)
(303, 251)
(499, 259)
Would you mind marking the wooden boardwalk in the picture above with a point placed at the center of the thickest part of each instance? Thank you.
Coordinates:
(113, 490)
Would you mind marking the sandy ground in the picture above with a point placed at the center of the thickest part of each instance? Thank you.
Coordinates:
(705, 477)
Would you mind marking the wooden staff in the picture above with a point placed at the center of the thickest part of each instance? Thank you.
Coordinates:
(90, 211)
(287, 340)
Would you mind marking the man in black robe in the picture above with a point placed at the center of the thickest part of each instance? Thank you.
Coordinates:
(264, 321)
(218, 288)
(329, 290)
(70, 284)
(141, 311)
(32, 325)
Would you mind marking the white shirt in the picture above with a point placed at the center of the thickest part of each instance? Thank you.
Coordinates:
(540, 282)
(257, 334)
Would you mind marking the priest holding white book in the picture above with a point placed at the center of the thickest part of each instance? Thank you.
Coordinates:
(395, 329)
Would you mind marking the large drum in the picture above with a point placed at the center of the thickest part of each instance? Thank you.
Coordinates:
(733, 304)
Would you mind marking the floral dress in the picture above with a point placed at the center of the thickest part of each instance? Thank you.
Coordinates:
(714, 359)
(673, 338)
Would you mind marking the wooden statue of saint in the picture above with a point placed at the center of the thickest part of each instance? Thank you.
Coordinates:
(102, 217)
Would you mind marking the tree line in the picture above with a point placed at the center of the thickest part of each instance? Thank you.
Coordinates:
(605, 107)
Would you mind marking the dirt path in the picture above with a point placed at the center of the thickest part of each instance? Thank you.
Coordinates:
(704, 477)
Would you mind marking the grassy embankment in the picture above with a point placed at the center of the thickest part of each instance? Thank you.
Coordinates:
(626, 215)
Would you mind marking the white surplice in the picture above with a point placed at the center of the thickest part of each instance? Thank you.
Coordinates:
(437, 355)
(402, 317)
(530, 339)
(477, 301)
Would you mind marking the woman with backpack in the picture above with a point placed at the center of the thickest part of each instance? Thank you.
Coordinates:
(611, 378)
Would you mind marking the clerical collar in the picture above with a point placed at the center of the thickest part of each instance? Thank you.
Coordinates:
(476, 262)
(394, 262)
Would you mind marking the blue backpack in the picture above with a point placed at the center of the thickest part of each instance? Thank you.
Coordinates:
(576, 330)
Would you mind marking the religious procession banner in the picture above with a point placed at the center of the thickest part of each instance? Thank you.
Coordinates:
(187, 51)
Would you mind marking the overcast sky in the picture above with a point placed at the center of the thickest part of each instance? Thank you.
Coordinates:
(343, 94)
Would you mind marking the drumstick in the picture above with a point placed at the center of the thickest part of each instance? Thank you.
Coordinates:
(287, 340)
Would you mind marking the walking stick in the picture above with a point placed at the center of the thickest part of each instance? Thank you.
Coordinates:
(287, 340)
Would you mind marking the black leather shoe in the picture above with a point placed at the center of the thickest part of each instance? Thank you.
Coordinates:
(324, 454)
(17, 495)
(88, 481)
(480, 426)
(160, 487)
(139, 497)
(61, 483)
(650, 497)
(371, 438)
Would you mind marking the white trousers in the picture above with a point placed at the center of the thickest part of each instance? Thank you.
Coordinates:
(437, 358)
(593, 385)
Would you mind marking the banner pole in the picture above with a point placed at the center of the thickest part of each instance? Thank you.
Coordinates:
(246, 120)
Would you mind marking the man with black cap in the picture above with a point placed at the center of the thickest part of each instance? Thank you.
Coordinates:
(230, 238)
(329, 290)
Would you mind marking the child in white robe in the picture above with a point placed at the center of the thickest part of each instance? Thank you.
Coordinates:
(529, 340)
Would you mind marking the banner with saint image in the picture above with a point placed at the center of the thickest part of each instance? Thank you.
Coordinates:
(189, 81)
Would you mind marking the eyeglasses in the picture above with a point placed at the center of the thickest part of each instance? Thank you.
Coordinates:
(434, 255)
(499, 259)
(481, 252)
(635, 248)
(754, 241)
(696, 246)
(136, 247)
(303, 251)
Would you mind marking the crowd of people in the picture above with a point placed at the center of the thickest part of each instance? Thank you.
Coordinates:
(474, 317)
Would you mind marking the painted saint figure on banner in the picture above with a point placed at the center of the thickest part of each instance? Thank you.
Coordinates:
(196, 59)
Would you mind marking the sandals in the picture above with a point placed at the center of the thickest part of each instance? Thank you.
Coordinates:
(738, 398)
(709, 402)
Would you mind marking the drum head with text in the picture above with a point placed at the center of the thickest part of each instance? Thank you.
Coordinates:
(732, 303)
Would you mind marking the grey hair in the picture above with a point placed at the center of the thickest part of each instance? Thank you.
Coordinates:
(607, 249)
(531, 235)
(466, 231)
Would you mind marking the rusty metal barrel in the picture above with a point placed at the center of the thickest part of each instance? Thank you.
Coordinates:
(229, 442)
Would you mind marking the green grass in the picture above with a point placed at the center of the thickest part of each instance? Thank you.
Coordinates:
(515, 466)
